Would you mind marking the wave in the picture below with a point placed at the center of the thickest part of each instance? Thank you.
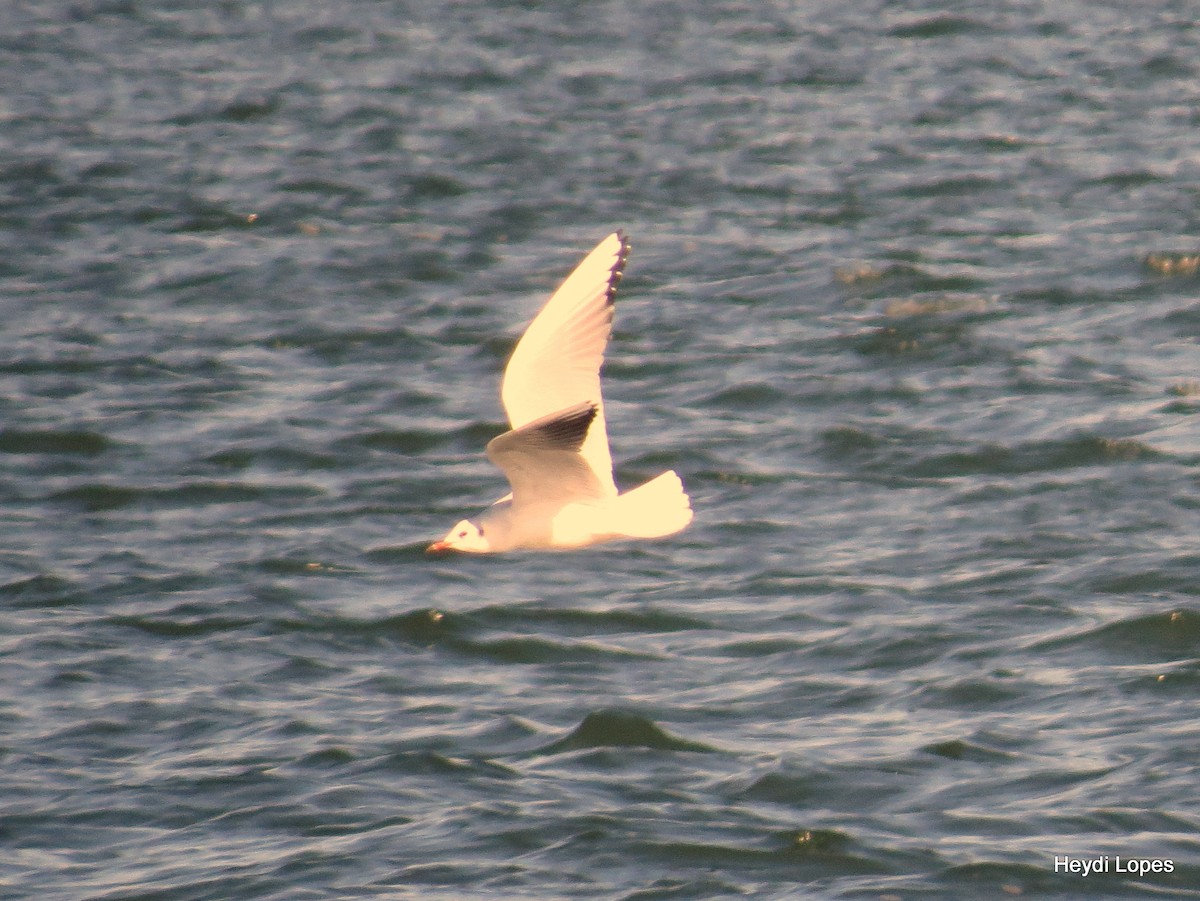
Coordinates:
(510, 637)
(883, 453)
(938, 26)
(103, 496)
(42, 591)
(82, 442)
(1162, 636)
(615, 728)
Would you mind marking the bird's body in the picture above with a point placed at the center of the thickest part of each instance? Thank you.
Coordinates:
(556, 455)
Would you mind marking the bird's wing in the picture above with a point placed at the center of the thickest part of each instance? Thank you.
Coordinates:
(542, 459)
(556, 364)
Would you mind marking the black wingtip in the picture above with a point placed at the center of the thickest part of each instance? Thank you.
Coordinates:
(618, 269)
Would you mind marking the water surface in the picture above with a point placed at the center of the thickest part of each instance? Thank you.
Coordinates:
(911, 308)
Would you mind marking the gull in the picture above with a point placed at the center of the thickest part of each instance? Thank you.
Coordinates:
(556, 456)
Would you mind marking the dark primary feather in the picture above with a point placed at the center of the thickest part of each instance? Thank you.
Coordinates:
(564, 430)
(542, 460)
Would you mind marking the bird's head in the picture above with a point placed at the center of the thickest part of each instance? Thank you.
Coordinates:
(467, 536)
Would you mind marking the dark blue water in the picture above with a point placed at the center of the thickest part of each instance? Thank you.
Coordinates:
(912, 308)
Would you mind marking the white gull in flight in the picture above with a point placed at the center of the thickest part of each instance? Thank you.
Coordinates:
(556, 456)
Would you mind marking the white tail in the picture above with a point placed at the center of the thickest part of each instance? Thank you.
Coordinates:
(654, 509)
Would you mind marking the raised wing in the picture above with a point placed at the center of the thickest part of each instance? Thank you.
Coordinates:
(556, 364)
(542, 459)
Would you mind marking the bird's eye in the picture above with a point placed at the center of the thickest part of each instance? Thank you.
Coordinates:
(462, 534)
(481, 531)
